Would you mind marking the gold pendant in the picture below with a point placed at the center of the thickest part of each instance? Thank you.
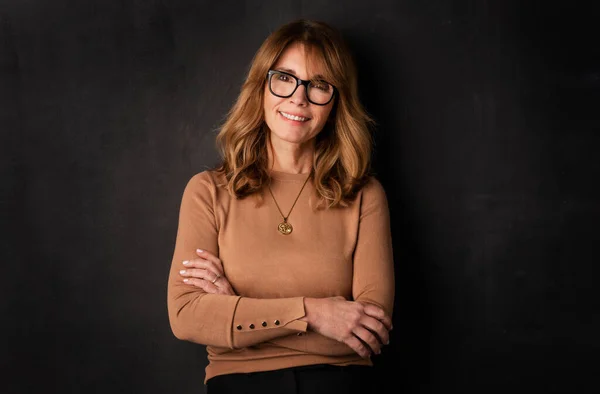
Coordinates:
(285, 228)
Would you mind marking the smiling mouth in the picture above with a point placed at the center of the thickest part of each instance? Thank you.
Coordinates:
(294, 117)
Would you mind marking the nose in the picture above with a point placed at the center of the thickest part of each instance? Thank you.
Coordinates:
(299, 96)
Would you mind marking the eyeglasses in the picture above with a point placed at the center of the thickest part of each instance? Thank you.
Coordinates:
(282, 84)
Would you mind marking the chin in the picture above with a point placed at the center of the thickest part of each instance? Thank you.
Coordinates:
(290, 136)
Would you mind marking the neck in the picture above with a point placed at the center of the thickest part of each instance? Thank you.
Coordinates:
(289, 157)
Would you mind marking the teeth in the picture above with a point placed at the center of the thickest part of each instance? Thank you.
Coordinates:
(292, 117)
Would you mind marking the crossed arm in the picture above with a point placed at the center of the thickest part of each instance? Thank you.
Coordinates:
(362, 326)
(202, 303)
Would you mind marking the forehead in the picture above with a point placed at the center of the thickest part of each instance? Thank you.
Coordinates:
(302, 60)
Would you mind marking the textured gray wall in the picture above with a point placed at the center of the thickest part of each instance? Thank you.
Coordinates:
(487, 145)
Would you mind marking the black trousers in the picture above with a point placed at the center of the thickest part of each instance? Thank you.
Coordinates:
(313, 379)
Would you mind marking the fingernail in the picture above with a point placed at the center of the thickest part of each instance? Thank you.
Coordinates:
(186, 280)
(388, 342)
(186, 262)
(182, 272)
(199, 250)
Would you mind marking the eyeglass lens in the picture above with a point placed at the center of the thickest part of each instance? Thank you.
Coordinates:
(318, 92)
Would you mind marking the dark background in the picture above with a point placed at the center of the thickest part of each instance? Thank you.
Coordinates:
(487, 144)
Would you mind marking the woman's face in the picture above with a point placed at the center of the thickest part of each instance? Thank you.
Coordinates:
(309, 119)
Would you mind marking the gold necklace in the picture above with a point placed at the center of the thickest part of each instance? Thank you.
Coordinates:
(284, 227)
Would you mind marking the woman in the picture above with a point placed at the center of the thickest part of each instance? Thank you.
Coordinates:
(294, 284)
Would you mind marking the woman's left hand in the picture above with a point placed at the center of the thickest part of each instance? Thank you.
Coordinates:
(206, 273)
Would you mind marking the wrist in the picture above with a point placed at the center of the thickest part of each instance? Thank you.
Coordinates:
(308, 310)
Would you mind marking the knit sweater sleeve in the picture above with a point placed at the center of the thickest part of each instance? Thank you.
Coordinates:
(373, 280)
(215, 319)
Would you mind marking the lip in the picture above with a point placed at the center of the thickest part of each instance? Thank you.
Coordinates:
(294, 114)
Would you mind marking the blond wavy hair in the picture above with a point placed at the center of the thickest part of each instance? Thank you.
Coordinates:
(342, 158)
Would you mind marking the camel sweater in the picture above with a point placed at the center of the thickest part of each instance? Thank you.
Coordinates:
(344, 251)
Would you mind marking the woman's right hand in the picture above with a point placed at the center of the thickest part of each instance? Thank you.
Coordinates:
(206, 272)
(363, 327)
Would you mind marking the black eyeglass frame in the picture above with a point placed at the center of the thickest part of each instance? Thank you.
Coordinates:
(298, 83)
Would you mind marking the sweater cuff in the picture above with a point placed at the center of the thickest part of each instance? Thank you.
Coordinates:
(258, 314)
(259, 320)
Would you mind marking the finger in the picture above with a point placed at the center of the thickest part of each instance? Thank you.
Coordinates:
(207, 273)
(219, 283)
(196, 282)
(203, 284)
(368, 339)
(224, 285)
(209, 256)
(379, 314)
(377, 328)
(358, 346)
(214, 280)
(205, 264)
(200, 273)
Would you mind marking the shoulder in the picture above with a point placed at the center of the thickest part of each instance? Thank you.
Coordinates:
(207, 182)
(211, 179)
(373, 190)
(373, 198)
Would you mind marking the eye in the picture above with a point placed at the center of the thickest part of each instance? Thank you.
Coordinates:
(283, 77)
(321, 85)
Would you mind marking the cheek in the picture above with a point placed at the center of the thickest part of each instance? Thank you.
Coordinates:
(271, 102)
(270, 110)
(266, 100)
(324, 115)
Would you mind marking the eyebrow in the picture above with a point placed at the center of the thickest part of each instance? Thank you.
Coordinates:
(290, 71)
